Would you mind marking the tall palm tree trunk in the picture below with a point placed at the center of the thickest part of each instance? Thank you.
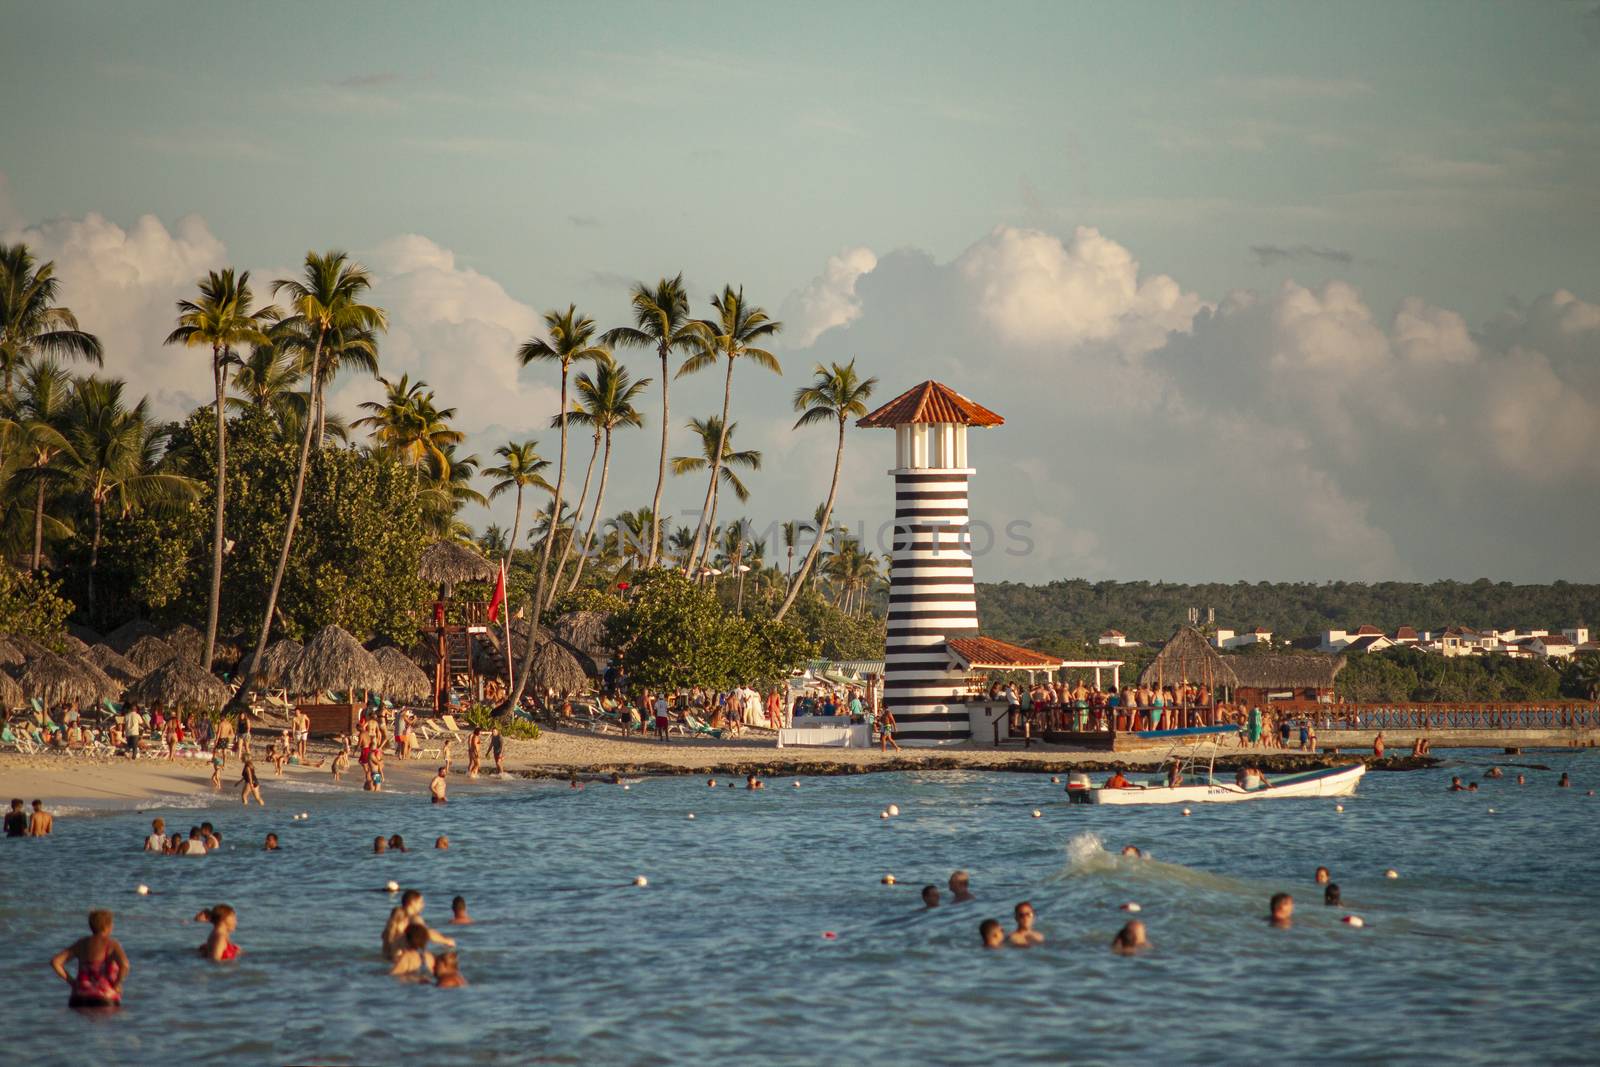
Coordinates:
(661, 469)
(594, 516)
(219, 373)
(816, 546)
(516, 527)
(38, 525)
(94, 552)
(566, 547)
(710, 507)
(540, 586)
(288, 533)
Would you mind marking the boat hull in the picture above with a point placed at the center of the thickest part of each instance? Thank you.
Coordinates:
(1329, 782)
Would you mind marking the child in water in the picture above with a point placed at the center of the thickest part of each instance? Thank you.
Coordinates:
(447, 971)
(219, 947)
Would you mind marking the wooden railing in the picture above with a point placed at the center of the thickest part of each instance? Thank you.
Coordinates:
(457, 613)
(1492, 715)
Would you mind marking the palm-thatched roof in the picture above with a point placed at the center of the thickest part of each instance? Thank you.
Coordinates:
(1188, 657)
(451, 562)
(84, 634)
(11, 694)
(585, 631)
(180, 685)
(404, 680)
(189, 642)
(72, 645)
(277, 659)
(29, 647)
(1310, 670)
(149, 652)
(11, 653)
(556, 669)
(123, 637)
(119, 668)
(333, 659)
(57, 679)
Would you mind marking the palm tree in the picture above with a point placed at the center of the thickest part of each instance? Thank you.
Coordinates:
(520, 467)
(583, 498)
(682, 542)
(268, 379)
(446, 487)
(711, 433)
(791, 537)
(407, 423)
(571, 341)
(661, 321)
(39, 416)
(330, 324)
(736, 544)
(221, 320)
(630, 532)
(732, 335)
(114, 452)
(493, 540)
(31, 322)
(837, 394)
(605, 401)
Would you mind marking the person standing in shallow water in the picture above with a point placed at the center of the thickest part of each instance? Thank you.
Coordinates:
(497, 750)
(474, 751)
(249, 784)
(102, 965)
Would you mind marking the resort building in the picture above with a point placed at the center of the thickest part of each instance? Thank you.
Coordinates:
(1228, 639)
(1116, 639)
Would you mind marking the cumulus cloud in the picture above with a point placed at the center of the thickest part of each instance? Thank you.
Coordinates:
(829, 299)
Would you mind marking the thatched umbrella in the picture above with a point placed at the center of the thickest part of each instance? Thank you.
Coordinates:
(123, 637)
(334, 660)
(189, 642)
(181, 686)
(1189, 658)
(555, 668)
(11, 694)
(276, 660)
(84, 634)
(118, 668)
(149, 652)
(584, 631)
(72, 645)
(29, 647)
(11, 654)
(404, 680)
(449, 563)
(57, 679)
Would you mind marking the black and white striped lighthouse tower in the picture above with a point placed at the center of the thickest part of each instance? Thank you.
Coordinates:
(930, 575)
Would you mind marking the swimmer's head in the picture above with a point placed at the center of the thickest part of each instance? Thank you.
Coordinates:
(411, 900)
(1281, 907)
(1130, 850)
(958, 882)
(1322, 876)
(993, 934)
(458, 905)
(158, 825)
(441, 842)
(930, 896)
(397, 842)
(446, 964)
(1330, 895)
(379, 844)
(1024, 915)
(100, 921)
(1131, 936)
(222, 915)
(417, 936)
(272, 841)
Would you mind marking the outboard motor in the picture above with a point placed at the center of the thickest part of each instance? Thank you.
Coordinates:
(1078, 788)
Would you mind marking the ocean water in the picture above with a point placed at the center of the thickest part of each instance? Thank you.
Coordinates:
(1485, 950)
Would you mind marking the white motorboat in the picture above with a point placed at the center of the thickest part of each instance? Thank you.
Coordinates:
(1208, 789)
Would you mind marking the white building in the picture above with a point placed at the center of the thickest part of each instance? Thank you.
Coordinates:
(1228, 639)
(1116, 639)
(1551, 646)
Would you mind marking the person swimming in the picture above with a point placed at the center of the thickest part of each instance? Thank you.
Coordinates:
(441, 842)
(219, 947)
(1455, 785)
(1494, 772)
(1132, 852)
(1280, 911)
(992, 933)
(1330, 895)
(1131, 939)
(447, 971)
(930, 896)
(1024, 936)
(272, 843)
(379, 844)
(1566, 781)
(412, 958)
(397, 843)
(1321, 877)
(959, 887)
(102, 965)
(402, 918)
(458, 912)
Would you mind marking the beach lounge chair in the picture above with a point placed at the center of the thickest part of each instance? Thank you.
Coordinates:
(16, 741)
(696, 726)
(451, 726)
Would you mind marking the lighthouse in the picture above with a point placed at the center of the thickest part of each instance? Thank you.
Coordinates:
(931, 597)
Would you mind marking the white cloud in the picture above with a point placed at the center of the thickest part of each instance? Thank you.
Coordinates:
(829, 299)
(1034, 290)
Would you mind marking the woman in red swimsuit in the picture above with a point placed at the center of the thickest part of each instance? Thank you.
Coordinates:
(218, 947)
(102, 966)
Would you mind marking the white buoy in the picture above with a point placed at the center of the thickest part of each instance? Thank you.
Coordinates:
(393, 887)
(1391, 873)
(797, 784)
(1037, 813)
(1131, 906)
(1186, 811)
(143, 890)
(1354, 920)
(641, 881)
(894, 809)
(1491, 811)
(1338, 807)
(625, 786)
(887, 879)
(691, 815)
(305, 815)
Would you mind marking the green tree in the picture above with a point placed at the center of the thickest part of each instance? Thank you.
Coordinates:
(660, 321)
(836, 395)
(735, 333)
(520, 468)
(605, 402)
(712, 436)
(40, 414)
(32, 323)
(407, 423)
(221, 320)
(31, 604)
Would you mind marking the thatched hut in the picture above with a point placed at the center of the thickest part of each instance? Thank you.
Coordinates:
(556, 669)
(181, 686)
(1188, 658)
(449, 563)
(333, 659)
(277, 659)
(11, 695)
(1285, 676)
(57, 679)
(404, 680)
(585, 631)
(11, 654)
(124, 636)
(118, 668)
(28, 646)
(149, 652)
(189, 642)
(71, 645)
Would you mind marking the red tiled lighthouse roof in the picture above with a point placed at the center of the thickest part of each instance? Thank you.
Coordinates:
(930, 402)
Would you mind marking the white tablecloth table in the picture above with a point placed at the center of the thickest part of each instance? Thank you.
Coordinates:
(842, 736)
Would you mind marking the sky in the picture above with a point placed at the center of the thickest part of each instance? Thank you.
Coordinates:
(1264, 292)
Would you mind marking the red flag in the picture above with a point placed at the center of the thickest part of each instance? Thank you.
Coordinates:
(498, 601)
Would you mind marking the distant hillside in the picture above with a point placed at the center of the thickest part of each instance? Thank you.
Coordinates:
(1077, 610)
